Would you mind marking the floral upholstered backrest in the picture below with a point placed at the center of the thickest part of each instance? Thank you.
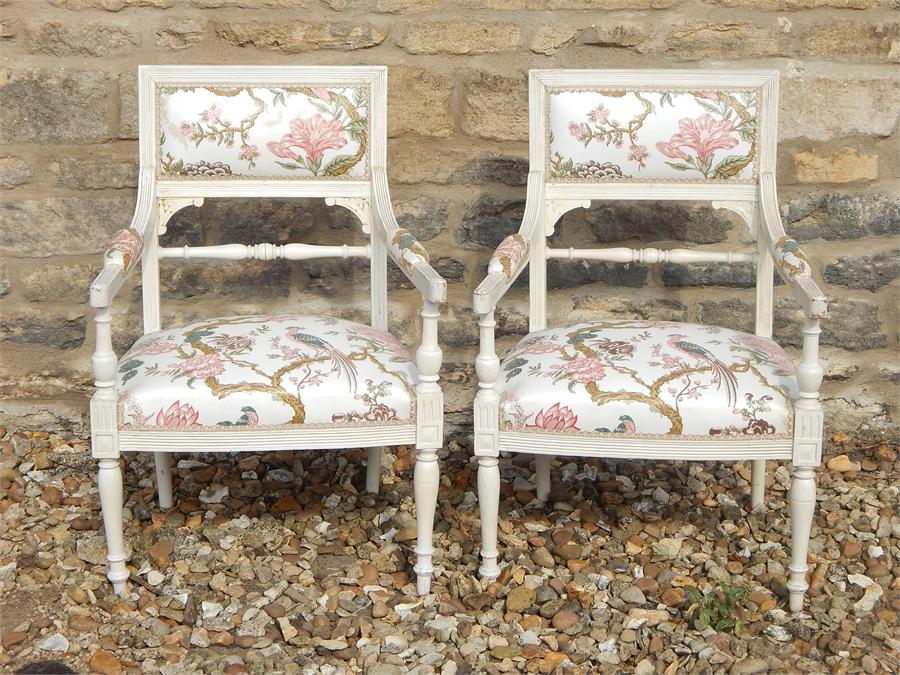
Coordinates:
(314, 131)
(652, 134)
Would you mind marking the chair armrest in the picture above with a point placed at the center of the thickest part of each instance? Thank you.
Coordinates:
(791, 262)
(512, 255)
(403, 248)
(124, 249)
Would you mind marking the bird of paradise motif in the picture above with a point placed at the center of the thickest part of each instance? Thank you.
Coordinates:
(722, 375)
(248, 418)
(339, 361)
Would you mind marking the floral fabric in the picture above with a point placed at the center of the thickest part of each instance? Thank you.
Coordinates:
(683, 136)
(263, 132)
(510, 254)
(407, 250)
(125, 247)
(266, 370)
(648, 378)
(790, 260)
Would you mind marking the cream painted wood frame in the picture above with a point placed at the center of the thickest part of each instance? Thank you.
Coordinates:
(367, 197)
(756, 203)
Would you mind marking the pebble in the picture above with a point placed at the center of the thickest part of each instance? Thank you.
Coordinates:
(842, 464)
(105, 663)
(55, 643)
(666, 549)
(564, 619)
(519, 599)
(633, 596)
(778, 633)
(155, 578)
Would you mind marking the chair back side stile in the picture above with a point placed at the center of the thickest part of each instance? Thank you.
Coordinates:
(172, 168)
(587, 161)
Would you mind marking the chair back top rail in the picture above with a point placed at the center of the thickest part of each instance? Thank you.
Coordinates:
(264, 251)
(653, 134)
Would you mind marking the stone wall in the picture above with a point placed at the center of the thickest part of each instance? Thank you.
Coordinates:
(457, 161)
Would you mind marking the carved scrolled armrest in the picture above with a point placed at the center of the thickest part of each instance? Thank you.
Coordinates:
(511, 256)
(792, 263)
(404, 249)
(124, 249)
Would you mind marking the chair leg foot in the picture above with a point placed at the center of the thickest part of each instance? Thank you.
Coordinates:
(542, 474)
(109, 481)
(426, 478)
(489, 506)
(163, 461)
(373, 471)
(423, 584)
(803, 503)
(757, 483)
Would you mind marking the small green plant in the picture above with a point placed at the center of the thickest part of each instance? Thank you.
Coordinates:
(721, 609)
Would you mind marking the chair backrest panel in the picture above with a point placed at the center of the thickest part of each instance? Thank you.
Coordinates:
(598, 135)
(663, 134)
(294, 132)
(304, 131)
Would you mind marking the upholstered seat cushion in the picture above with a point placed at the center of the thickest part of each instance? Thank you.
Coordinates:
(648, 378)
(247, 371)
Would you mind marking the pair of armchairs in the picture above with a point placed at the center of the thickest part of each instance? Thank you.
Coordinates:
(606, 388)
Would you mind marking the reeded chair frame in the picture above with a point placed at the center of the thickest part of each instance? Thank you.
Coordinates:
(163, 190)
(755, 201)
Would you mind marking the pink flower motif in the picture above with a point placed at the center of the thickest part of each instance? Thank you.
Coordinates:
(201, 366)
(584, 370)
(323, 93)
(555, 418)
(314, 136)
(212, 114)
(704, 135)
(249, 152)
(580, 131)
(599, 115)
(672, 151)
(186, 131)
(177, 415)
(638, 153)
(155, 346)
(709, 94)
(763, 346)
(538, 347)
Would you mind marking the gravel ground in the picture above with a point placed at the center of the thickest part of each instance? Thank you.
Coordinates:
(279, 562)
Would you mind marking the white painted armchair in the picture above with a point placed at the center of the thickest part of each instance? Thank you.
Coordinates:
(266, 382)
(651, 389)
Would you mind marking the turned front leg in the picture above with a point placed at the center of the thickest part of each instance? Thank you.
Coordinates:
(426, 478)
(429, 438)
(489, 506)
(109, 482)
(803, 504)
